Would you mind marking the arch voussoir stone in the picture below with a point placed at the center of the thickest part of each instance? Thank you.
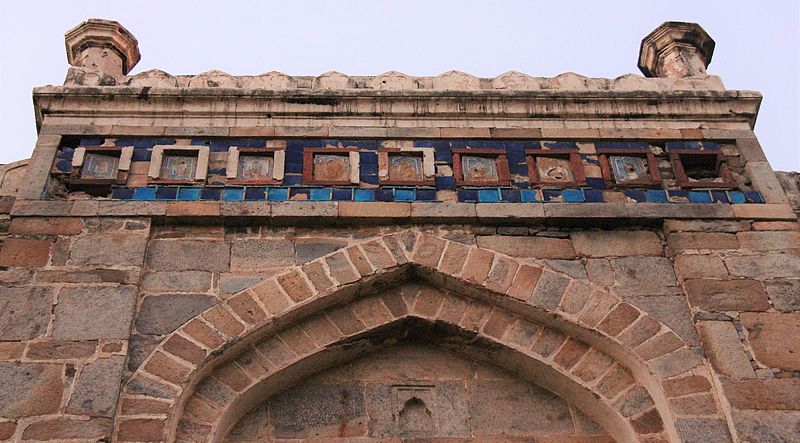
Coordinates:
(194, 368)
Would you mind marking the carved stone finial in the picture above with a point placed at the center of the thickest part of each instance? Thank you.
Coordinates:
(102, 45)
(676, 50)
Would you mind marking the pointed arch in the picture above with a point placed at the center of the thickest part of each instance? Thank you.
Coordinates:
(157, 394)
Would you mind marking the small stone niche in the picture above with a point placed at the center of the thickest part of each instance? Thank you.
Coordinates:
(179, 165)
(255, 166)
(698, 169)
(481, 167)
(96, 168)
(331, 166)
(629, 167)
(555, 168)
(406, 166)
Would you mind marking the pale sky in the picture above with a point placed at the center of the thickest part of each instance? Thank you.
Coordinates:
(758, 45)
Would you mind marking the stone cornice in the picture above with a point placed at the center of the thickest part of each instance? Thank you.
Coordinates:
(248, 107)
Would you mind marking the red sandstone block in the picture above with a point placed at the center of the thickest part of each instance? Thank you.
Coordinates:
(321, 330)
(534, 133)
(317, 276)
(7, 430)
(475, 315)
(346, 321)
(193, 209)
(295, 286)
(371, 311)
(548, 342)
(659, 345)
(770, 394)
(10, 350)
(25, 253)
(727, 295)
(570, 353)
(702, 404)
(616, 380)
(137, 406)
(341, 269)
(185, 349)
(94, 429)
(374, 209)
(620, 318)
(592, 365)
(643, 329)
(167, 368)
(142, 429)
(575, 297)
(359, 260)
(197, 408)
(455, 255)
(378, 255)
(498, 323)
(524, 282)
(223, 321)
(682, 241)
(776, 226)
(465, 132)
(46, 226)
(271, 296)
(204, 334)
(453, 310)
(689, 384)
(429, 251)
(232, 376)
(476, 269)
(597, 307)
(245, 306)
(428, 302)
(502, 274)
(648, 423)
(57, 350)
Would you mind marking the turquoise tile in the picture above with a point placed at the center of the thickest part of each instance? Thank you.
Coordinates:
(278, 194)
(736, 197)
(700, 197)
(232, 194)
(320, 194)
(656, 196)
(573, 196)
(144, 194)
(529, 196)
(488, 195)
(405, 195)
(364, 195)
(189, 193)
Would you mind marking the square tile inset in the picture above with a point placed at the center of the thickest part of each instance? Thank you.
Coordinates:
(628, 169)
(479, 169)
(178, 167)
(100, 166)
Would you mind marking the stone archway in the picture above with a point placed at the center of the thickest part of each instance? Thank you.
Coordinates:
(166, 388)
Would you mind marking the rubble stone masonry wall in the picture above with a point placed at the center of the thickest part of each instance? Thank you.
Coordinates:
(136, 309)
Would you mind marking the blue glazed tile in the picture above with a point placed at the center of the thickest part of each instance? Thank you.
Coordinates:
(529, 195)
(458, 144)
(248, 142)
(423, 144)
(216, 171)
(278, 194)
(370, 179)
(369, 144)
(91, 141)
(292, 179)
(699, 197)
(678, 196)
(719, 196)
(405, 195)
(426, 195)
(200, 142)
(441, 152)
(560, 145)
(521, 185)
(573, 196)
(488, 195)
(610, 145)
(596, 183)
(342, 194)
(124, 193)
(638, 145)
(294, 192)
(551, 195)
(66, 154)
(221, 145)
(468, 195)
(518, 168)
(294, 156)
(364, 195)
(593, 195)
(384, 195)
(590, 159)
(510, 195)
(445, 183)
(141, 155)
(369, 158)
(210, 194)
(369, 169)
(494, 144)
(736, 197)
(711, 146)
(636, 195)
(166, 193)
(473, 144)
(64, 165)
(293, 168)
(189, 193)
(693, 145)
(255, 193)
(232, 194)
(320, 194)
(675, 145)
(753, 197)
(515, 152)
(144, 194)
(657, 196)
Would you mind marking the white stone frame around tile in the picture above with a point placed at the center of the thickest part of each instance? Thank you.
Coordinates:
(125, 156)
(157, 158)
(278, 163)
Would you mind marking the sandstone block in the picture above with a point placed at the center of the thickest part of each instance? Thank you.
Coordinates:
(727, 295)
(770, 394)
(683, 241)
(537, 247)
(774, 338)
(25, 252)
(616, 243)
(673, 311)
(767, 426)
(162, 314)
(699, 266)
(97, 388)
(646, 272)
(764, 266)
(24, 312)
(30, 389)
(188, 255)
(85, 313)
(57, 350)
(784, 294)
(706, 430)
(93, 429)
(186, 281)
(705, 226)
(46, 226)
(262, 253)
(725, 350)
(106, 249)
(770, 240)
(307, 249)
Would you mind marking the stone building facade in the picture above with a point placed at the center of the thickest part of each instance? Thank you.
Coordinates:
(393, 258)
